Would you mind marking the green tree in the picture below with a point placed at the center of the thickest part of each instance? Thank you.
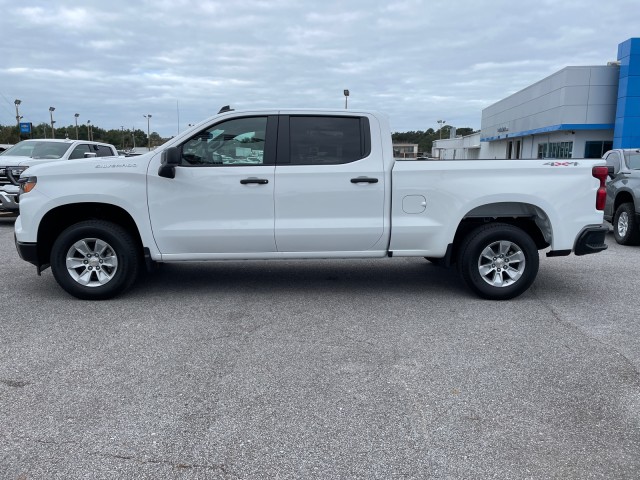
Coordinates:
(425, 139)
(8, 134)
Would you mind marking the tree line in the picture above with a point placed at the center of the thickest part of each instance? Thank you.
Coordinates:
(121, 139)
(425, 139)
(128, 138)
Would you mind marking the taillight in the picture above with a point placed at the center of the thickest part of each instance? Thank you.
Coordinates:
(601, 174)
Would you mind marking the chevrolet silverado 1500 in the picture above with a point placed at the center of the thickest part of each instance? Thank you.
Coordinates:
(294, 184)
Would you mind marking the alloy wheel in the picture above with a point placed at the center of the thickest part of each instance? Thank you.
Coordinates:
(91, 262)
(501, 263)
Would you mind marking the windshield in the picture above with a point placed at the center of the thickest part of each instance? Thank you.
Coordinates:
(43, 149)
(633, 160)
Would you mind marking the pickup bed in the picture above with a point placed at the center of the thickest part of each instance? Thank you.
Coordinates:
(285, 184)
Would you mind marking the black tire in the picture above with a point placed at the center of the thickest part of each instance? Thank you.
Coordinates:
(487, 275)
(626, 230)
(98, 276)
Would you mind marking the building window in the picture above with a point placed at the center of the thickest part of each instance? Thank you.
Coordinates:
(509, 149)
(596, 149)
(555, 150)
(405, 151)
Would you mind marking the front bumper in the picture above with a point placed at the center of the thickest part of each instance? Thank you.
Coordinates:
(591, 240)
(9, 199)
(27, 251)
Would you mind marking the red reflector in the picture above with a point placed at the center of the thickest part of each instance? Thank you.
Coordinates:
(601, 198)
(600, 173)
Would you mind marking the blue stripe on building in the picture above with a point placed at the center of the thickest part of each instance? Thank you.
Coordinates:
(627, 127)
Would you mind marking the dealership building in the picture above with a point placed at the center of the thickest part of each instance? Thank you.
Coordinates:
(578, 112)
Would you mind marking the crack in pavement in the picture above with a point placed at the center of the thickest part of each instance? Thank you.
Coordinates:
(179, 465)
(599, 341)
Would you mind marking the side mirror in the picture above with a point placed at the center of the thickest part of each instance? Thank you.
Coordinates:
(611, 171)
(90, 154)
(170, 158)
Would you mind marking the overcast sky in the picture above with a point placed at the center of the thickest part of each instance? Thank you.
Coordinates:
(416, 60)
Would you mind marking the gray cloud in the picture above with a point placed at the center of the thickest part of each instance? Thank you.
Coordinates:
(416, 60)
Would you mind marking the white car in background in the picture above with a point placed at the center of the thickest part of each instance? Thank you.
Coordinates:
(28, 153)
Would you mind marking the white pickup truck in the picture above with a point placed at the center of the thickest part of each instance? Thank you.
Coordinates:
(28, 153)
(293, 184)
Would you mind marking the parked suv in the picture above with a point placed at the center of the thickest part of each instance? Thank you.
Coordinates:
(622, 207)
(28, 153)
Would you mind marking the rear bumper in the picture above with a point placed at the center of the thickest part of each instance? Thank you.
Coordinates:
(591, 240)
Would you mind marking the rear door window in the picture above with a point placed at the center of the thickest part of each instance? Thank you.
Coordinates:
(325, 140)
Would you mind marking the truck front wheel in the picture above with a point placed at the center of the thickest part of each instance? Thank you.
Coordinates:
(95, 260)
(498, 261)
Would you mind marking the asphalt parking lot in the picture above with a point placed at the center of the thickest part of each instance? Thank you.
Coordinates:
(375, 369)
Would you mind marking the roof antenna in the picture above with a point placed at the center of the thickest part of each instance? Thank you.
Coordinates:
(226, 108)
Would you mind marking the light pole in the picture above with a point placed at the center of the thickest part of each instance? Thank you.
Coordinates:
(441, 123)
(51, 110)
(77, 115)
(122, 127)
(148, 117)
(17, 102)
(89, 130)
(346, 97)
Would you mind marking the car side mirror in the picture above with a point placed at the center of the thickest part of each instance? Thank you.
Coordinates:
(611, 170)
(170, 159)
(90, 154)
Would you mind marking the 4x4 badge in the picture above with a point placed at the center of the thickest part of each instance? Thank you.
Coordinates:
(562, 164)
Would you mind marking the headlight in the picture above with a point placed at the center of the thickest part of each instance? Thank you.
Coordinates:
(27, 184)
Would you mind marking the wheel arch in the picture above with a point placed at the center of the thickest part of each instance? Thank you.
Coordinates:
(528, 217)
(622, 197)
(58, 219)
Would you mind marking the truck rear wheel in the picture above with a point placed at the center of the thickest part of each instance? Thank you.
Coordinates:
(95, 260)
(625, 227)
(498, 261)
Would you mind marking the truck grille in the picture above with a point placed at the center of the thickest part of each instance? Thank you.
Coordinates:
(7, 178)
(4, 180)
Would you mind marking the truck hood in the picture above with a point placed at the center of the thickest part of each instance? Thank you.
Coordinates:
(16, 161)
(94, 165)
